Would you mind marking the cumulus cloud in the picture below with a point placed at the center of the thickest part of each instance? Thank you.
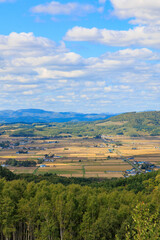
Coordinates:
(141, 36)
(117, 88)
(35, 72)
(70, 8)
(144, 11)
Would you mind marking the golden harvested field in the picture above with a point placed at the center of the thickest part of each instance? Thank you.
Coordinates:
(107, 168)
(84, 157)
(80, 151)
(126, 151)
(104, 175)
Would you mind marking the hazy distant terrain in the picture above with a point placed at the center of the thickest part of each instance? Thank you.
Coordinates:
(38, 115)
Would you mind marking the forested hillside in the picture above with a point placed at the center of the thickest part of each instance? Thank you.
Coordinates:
(142, 123)
(130, 124)
(112, 209)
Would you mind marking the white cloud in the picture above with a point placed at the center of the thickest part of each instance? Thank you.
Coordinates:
(142, 11)
(66, 101)
(108, 89)
(62, 81)
(70, 8)
(145, 13)
(142, 53)
(35, 70)
(54, 74)
(138, 36)
(11, 44)
(30, 92)
(60, 97)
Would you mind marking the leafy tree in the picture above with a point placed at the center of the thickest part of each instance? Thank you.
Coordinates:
(146, 224)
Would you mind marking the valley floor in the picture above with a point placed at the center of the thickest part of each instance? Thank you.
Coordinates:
(106, 157)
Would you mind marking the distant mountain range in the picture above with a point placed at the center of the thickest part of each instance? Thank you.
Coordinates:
(38, 115)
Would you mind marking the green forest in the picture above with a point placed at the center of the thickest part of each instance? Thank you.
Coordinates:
(49, 207)
(15, 163)
(130, 124)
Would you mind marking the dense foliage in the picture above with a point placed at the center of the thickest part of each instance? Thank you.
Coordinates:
(112, 209)
(13, 162)
(4, 144)
(5, 173)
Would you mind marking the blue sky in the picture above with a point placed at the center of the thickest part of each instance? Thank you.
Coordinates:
(81, 56)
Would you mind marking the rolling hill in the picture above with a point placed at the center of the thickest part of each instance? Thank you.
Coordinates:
(133, 124)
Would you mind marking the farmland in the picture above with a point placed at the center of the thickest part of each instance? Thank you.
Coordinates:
(80, 156)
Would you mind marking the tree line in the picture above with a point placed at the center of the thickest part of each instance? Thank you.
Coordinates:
(46, 211)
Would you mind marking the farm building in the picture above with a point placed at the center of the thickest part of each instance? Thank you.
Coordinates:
(43, 165)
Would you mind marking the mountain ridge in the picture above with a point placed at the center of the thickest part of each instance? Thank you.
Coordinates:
(40, 115)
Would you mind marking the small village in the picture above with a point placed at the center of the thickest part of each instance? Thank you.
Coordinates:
(139, 167)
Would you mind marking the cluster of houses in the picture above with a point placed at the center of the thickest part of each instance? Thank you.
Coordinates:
(48, 158)
(139, 167)
(130, 172)
(42, 165)
(144, 164)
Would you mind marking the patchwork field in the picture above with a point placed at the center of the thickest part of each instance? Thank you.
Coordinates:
(81, 157)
